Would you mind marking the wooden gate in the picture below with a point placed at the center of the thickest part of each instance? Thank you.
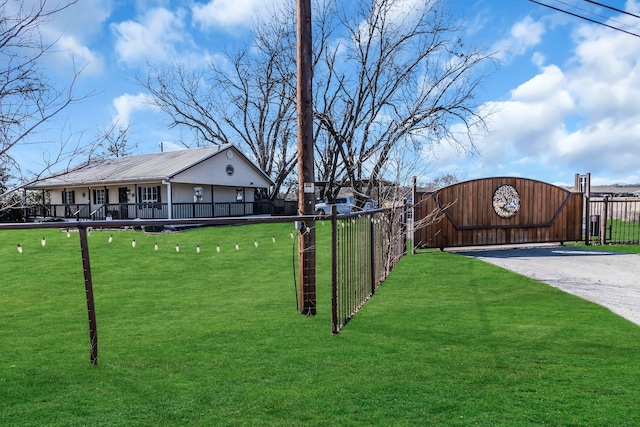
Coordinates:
(496, 211)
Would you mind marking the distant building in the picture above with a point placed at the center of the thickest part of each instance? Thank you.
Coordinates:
(616, 190)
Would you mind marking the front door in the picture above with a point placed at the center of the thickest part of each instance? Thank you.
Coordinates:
(123, 199)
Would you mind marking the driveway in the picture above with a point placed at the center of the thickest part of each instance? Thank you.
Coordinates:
(606, 278)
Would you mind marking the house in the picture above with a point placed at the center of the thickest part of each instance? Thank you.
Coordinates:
(194, 183)
(616, 190)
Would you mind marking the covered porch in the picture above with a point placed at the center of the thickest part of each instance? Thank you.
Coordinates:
(114, 211)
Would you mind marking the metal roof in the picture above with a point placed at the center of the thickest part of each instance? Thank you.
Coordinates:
(615, 189)
(145, 167)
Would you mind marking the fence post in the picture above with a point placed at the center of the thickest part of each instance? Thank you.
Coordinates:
(88, 285)
(414, 202)
(603, 220)
(404, 229)
(334, 270)
(372, 254)
(583, 185)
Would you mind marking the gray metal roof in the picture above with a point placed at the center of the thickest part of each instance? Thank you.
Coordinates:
(145, 167)
(615, 189)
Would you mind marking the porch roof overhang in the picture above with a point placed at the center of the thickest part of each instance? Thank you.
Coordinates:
(49, 185)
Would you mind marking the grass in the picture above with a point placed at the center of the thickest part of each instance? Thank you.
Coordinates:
(618, 231)
(629, 249)
(624, 248)
(623, 231)
(215, 339)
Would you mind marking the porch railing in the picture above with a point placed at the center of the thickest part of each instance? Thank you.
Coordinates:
(75, 211)
(116, 211)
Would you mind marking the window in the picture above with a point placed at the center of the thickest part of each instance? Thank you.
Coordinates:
(149, 194)
(68, 197)
(100, 196)
(239, 195)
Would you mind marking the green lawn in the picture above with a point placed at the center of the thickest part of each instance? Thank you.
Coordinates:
(618, 231)
(623, 231)
(215, 339)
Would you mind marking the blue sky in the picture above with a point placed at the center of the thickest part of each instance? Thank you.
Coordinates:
(564, 100)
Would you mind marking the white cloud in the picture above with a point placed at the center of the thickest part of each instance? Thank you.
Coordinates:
(529, 123)
(72, 51)
(523, 36)
(71, 33)
(231, 13)
(155, 37)
(127, 104)
(538, 59)
(404, 10)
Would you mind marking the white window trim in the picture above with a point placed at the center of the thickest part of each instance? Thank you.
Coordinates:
(149, 194)
(101, 196)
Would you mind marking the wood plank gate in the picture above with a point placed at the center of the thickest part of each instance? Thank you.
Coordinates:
(496, 211)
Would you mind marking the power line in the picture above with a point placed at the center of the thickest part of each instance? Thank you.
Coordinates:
(612, 8)
(585, 18)
(605, 17)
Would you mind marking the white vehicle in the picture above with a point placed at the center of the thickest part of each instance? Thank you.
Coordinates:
(343, 204)
(369, 205)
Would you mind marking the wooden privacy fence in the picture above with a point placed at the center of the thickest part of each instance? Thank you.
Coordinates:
(365, 247)
(494, 211)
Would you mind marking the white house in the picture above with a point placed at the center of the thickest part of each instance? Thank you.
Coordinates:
(194, 183)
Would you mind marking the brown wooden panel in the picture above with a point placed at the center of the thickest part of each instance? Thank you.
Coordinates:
(466, 216)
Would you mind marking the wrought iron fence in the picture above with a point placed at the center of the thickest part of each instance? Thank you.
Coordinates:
(614, 220)
(365, 248)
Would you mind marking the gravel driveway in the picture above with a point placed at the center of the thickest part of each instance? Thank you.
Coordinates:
(606, 278)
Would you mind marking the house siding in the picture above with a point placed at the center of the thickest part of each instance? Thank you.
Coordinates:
(183, 193)
(80, 199)
(213, 171)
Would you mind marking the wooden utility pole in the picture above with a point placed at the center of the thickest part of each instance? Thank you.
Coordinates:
(306, 175)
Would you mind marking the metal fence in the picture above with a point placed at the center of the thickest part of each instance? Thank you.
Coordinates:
(371, 244)
(614, 220)
(365, 248)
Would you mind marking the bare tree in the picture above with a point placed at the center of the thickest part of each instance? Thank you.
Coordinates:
(441, 181)
(247, 99)
(400, 75)
(28, 98)
(114, 141)
(387, 73)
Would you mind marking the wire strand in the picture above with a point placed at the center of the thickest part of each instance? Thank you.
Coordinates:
(585, 18)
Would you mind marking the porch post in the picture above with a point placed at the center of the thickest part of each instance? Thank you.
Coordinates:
(169, 200)
(24, 203)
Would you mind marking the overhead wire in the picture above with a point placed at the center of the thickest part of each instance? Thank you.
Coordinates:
(577, 15)
(612, 8)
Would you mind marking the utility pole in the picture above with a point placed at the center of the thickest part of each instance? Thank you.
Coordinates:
(306, 175)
